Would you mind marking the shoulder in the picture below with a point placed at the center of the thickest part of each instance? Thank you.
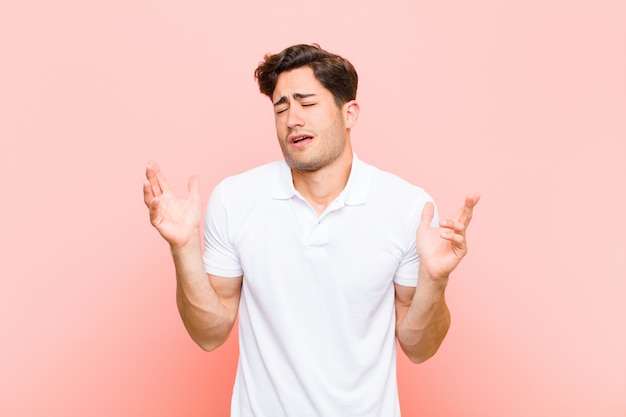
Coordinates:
(390, 187)
(249, 182)
(252, 176)
(251, 189)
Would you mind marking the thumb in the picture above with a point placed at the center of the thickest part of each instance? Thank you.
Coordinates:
(194, 187)
(428, 212)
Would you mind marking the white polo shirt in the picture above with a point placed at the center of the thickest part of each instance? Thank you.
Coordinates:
(317, 313)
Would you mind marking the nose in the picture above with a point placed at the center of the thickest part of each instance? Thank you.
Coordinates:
(294, 117)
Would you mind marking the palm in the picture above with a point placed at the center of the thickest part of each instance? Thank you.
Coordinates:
(177, 219)
(442, 248)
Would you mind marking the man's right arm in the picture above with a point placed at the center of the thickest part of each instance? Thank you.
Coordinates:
(207, 304)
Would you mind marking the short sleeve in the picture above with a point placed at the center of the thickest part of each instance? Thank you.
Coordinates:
(220, 257)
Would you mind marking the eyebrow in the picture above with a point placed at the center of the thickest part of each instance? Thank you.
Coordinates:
(297, 96)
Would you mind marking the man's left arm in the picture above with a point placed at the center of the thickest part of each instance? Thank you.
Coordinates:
(422, 316)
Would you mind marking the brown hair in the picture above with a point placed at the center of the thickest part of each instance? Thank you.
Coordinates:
(335, 73)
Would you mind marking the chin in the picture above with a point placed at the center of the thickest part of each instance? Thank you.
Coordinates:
(306, 166)
(309, 165)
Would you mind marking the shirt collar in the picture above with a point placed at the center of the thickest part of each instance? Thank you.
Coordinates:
(355, 193)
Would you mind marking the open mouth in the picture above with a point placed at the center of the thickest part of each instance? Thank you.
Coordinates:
(301, 139)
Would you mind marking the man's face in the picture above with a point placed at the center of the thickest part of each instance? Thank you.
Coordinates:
(311, 128)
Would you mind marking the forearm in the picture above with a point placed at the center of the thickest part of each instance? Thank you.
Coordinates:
(426, 321)
(205, 317)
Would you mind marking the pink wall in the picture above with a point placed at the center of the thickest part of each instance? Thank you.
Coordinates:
(522, 101)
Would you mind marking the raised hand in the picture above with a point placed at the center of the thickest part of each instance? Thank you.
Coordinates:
(442, 248)
(177, 219)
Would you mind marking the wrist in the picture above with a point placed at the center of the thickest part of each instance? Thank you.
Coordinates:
(181, 247)
(433, 281)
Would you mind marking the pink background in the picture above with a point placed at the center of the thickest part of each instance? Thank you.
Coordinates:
(522, 101)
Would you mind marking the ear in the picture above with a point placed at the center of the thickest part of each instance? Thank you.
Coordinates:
(351, 113)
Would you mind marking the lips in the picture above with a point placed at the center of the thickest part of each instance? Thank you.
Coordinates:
(300, 139)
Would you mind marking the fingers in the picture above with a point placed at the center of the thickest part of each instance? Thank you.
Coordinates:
(155, 185)
(457, 238)
(157, 180)
(453, 225)
(464, 215)
(150, 186)
(148, 195)
(454, 229)
(471, 200)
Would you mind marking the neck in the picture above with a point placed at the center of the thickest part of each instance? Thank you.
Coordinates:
(321, 187)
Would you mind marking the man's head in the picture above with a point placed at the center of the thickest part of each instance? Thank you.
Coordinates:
(335, 73)
(313, 94)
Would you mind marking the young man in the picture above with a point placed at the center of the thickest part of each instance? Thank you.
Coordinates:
(325, 259)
